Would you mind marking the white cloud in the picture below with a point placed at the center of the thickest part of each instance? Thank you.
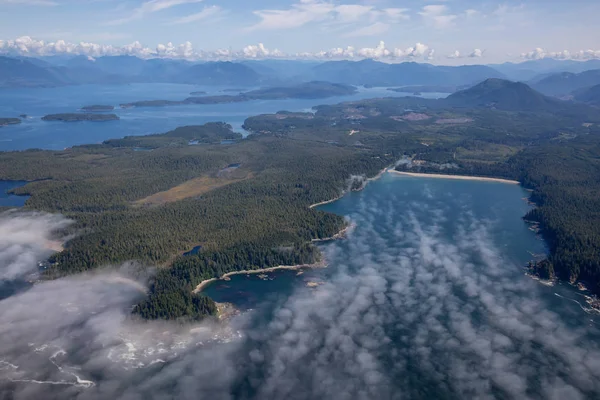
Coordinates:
(539, 53)
(28, 46)
(149, 7)
(206, 13)
(396, 14)
(353, 12)
(438, 16)
(454, 55)
(310, 11)
(476, 53)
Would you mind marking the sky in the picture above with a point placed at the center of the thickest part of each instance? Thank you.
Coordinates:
(438, 31)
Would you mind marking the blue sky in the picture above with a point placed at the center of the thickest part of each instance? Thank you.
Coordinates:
(442, 31)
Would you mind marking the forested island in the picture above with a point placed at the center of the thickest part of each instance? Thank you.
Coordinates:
(97, 108)
(9, 121)
(74, 117)
(309, 90)
(154, 206)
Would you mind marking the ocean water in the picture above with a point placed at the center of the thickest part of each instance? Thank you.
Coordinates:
(37, 102)
(425, 299)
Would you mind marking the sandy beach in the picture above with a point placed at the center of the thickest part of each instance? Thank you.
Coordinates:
(326, 201)
(460, 177)
(203, 284)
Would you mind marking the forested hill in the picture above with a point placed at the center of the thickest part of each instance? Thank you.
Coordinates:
(504, 95)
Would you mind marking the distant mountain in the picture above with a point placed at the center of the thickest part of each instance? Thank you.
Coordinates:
(504, 95)
(16, 72)
(528, 70)
(567, 82)
(589, 95)
(282, 70)
(374, 73)
(24, 71)
(220, 73)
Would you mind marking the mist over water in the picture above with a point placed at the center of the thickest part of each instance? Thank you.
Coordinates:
(426, 299)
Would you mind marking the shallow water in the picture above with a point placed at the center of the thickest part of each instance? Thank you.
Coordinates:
(37, 102)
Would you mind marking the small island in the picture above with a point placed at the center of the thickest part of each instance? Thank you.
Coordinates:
(96, 108)
(198, 93)
(74, 117)
(9, 121)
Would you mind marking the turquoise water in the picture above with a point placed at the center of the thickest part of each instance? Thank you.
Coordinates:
(37, 102)
(10, 200)
(426, 299)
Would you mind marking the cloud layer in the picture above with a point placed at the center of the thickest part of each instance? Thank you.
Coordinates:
(419, 302)
(26, 239)
(539, 54)
(27, 46)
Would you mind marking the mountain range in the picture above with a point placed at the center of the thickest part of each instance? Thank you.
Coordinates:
(72, 70)
(565, 83)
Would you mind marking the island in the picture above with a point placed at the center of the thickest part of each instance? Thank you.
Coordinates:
(9, 121)
(97, 108)
(75, 117)
(307, 90)
(198, 93)
(247, 206)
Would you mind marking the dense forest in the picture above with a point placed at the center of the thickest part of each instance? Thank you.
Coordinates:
(246, 202)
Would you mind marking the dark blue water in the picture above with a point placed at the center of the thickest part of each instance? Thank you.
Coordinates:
(37, 102)
(10, 200)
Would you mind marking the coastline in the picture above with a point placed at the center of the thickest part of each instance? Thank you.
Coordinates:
(204, 283)
(340, 235)
(326, 201)
(458, 177)
(379, 175)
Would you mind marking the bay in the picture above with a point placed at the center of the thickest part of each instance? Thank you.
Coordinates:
(426, 299)
(11, 200)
